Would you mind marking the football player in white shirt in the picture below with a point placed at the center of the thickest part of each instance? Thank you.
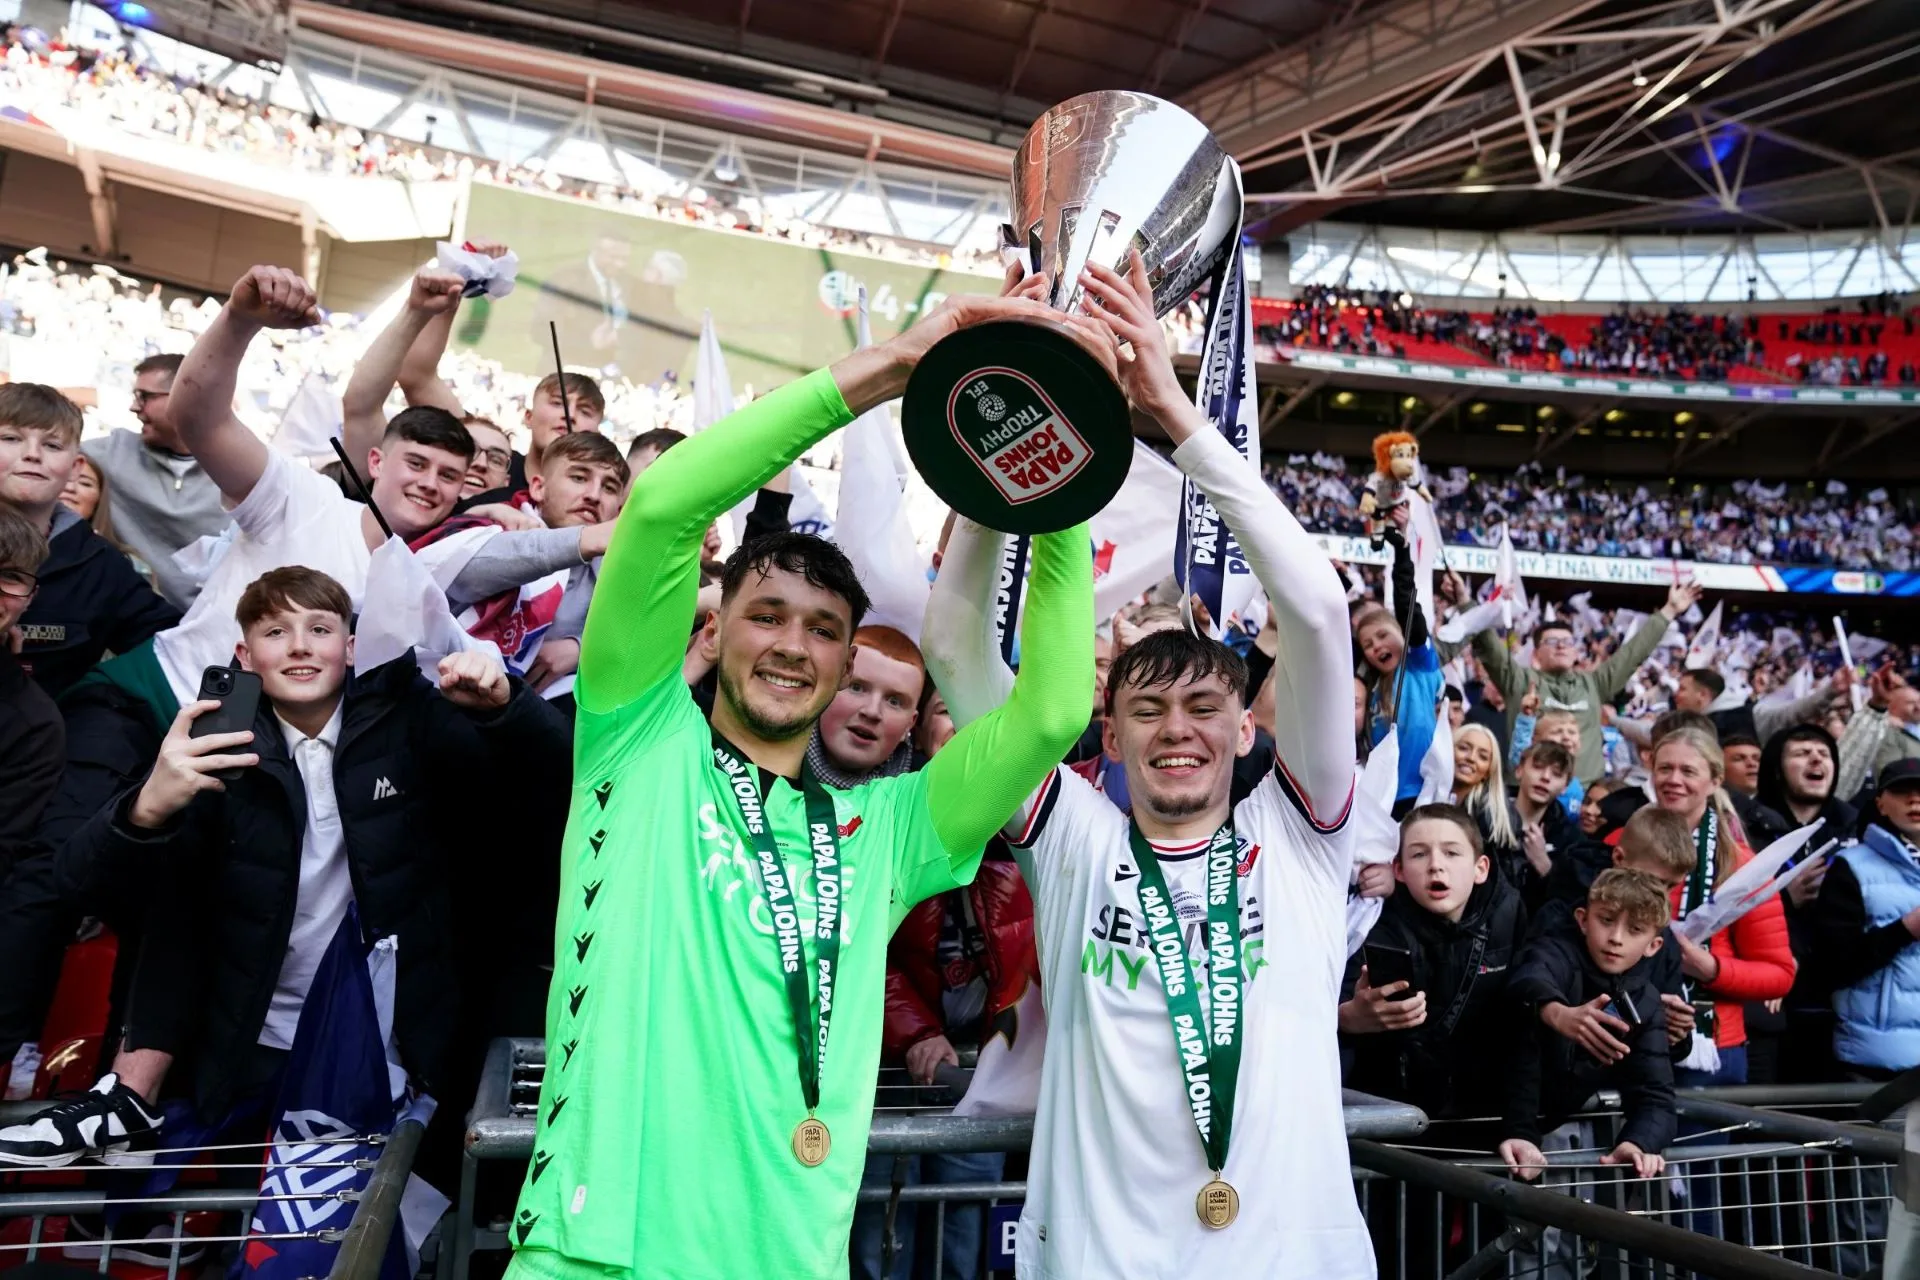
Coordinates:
(1153, 999)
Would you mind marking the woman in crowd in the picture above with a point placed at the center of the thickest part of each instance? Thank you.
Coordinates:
(88, 496)
(1751, 961)
(1480, 787)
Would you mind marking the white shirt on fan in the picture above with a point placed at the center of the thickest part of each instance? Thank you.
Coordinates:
(1117, 1160)
(292, 515)
(326, 887)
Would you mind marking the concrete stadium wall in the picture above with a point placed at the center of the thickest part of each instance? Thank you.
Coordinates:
(182, 242)
(189, 244)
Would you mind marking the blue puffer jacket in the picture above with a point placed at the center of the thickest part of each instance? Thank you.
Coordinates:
(1879, 1018)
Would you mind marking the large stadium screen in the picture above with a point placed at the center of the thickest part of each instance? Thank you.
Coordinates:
(628, 292)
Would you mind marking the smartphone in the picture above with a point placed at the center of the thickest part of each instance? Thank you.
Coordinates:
(1387, 965)
(1623, 1008)
(238, 693)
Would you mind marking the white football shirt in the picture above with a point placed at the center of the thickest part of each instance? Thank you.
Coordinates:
(1117, 1161)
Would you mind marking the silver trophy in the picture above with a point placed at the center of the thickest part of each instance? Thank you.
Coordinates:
(1016, 425)
(1107, 170)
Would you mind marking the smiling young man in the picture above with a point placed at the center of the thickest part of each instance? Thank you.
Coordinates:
(162, 497)
(1562, 687)
(90, 599)
(717, 990)
(1190, 958)
(528, 593)
(865, 729)
(340, 797)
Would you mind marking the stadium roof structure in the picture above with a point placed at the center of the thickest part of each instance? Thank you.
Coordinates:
(1487, 115)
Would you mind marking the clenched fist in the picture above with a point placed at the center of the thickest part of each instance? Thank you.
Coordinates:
(274, 298)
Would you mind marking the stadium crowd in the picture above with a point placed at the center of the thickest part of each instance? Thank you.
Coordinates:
(1677, 344)
(242, 722)
(115, 87)
(1745, 522)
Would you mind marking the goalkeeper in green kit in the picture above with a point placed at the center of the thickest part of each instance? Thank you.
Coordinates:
(714, 1024)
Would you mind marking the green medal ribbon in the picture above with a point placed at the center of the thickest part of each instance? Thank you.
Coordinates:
(824, 835)
(1209, 1057)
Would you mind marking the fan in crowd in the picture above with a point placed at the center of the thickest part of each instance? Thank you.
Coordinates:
(552, 624)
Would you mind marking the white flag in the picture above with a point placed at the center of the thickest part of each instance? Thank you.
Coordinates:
(1706, 641)
(871, 526)
(1746, 888)
(712, 389)
(311, 420)
(1133, 535)
(404, 609)
(1508, 589)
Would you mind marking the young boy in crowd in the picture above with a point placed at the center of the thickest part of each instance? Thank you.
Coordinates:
(1437, 1038)
(342, 797)
(1551, 725)
(33, 739)
(1657, 844)
(1606, 965)
(1546, 831)
(91, 601)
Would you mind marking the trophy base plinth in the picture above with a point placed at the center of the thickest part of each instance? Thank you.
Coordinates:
(1018, 427)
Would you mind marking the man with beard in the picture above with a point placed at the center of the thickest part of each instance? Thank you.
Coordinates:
(724, 914)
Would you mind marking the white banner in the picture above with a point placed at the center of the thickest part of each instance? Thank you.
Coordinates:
(1572, 568)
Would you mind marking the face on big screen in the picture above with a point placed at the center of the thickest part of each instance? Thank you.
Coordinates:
(871, 717)
(575, 493)
(1178, 743)
(34, 464)
(300, 655)
(415, 485)
(781, 648)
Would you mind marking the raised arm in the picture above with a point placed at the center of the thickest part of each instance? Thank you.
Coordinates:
(1611, 676)
(981, 777)
(433, 295)
(636, 629)
(957, 638)
(1312, 675)
(202, 402)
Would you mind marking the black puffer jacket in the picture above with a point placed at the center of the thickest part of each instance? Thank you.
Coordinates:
(407, 766)
(91, 602)
(1553, 1077)
(1455, 1063)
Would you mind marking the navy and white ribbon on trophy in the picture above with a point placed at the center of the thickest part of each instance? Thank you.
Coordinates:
(1206, 558)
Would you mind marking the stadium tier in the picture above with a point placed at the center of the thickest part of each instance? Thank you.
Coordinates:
(834, 640)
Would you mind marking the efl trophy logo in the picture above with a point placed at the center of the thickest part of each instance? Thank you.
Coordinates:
(1015, 434)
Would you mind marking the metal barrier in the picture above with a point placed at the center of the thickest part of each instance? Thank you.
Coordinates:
(910, 1120)
(1796, 1190)
(96, 1219)
(364, 1247)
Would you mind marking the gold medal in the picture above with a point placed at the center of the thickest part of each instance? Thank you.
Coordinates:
(1218, 1204)
(811, 1142)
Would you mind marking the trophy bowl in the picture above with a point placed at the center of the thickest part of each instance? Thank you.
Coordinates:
(1017, 425)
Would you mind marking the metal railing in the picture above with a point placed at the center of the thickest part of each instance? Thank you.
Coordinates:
(118, 1220)
(1798, 1190)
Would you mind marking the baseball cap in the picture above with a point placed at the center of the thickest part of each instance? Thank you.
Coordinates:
(1901, 772)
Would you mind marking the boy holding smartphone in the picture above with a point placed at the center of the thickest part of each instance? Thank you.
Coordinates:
(1620, 930)
(257, 840)
(1427, 1018)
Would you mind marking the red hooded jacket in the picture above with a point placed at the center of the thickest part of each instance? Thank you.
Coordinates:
(1004, 911)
